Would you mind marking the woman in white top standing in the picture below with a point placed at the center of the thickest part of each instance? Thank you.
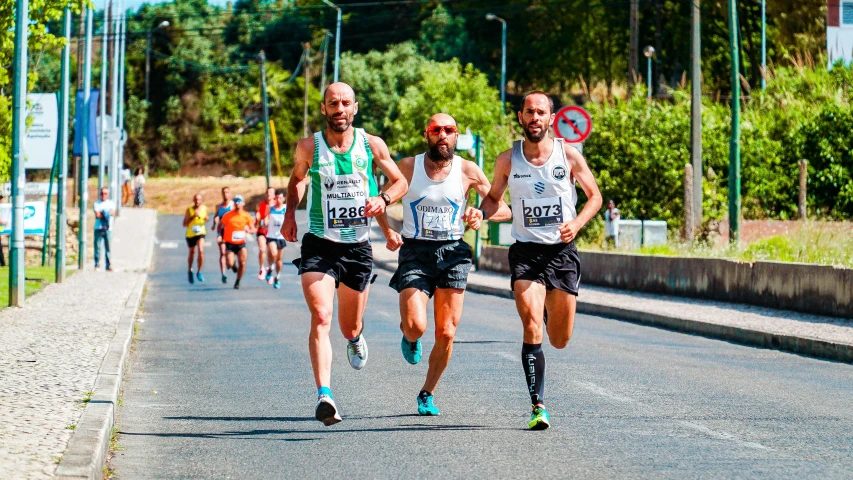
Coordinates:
(139, 188)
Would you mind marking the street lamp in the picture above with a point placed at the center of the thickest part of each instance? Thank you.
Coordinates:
(337, 40)
(163, 24)
(649, 52)
(492, 16)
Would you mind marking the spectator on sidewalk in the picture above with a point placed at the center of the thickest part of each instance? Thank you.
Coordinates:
(126, 191)
(104, 211)
(611, 225)
(139, 188)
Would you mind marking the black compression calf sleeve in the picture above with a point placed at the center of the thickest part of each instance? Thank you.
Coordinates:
(533, 362)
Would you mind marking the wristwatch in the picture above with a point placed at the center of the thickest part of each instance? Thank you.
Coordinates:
(384, 196)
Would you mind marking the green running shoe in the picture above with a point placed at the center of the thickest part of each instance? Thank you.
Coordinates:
(412, 351)
(426, 407)
(539, 419)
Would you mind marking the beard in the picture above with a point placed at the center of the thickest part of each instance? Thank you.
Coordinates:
(330, 121)
(441, 154)
(535, 137)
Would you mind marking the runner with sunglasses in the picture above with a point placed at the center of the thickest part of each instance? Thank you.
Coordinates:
(434, 261)
(544, 265)
(335, 167)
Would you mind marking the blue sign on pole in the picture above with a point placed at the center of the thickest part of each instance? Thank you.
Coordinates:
(93, 129)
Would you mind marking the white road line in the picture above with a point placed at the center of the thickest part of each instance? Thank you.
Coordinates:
(722, 435)
(168, 244)
(591, 387)
(508, 356)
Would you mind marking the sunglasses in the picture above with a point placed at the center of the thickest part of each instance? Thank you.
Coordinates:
(436, 130)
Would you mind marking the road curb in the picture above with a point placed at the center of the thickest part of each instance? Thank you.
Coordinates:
(810, 347)
(86, 452)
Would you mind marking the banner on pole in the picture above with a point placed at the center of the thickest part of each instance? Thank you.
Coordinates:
(34, 215)
(41, 137)
(35, 189)
(93, 126)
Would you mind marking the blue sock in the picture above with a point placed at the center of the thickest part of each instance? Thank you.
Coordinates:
(324, 391)
(356, 339)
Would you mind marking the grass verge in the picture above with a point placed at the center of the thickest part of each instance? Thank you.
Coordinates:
(36, 279)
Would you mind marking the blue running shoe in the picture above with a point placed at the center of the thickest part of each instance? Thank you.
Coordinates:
(426, 407)
(539, 419)
(224, 278)
(276, 284)
(269, 275)
(411, 350)
(190, 277)
(199, 276)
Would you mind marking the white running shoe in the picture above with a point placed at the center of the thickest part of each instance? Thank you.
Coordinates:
(326, 410)
(357, 353)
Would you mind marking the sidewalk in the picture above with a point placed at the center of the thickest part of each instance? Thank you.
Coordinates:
(810, 335)
(51, 350)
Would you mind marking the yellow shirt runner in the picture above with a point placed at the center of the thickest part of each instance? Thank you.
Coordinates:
(196, 226)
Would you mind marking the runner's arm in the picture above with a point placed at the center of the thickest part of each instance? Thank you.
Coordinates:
(493, 205)
(302, 159)
(584, 177)
(187, 218)
(480, 183)
(397, 184)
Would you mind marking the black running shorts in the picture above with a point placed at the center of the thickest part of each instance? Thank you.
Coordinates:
(556, 266)
(234, 247)
(193, 241)
(348, 263)
(427, 265)
(280, 243)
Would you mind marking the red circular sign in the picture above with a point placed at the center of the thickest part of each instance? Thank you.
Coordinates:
(573, 124)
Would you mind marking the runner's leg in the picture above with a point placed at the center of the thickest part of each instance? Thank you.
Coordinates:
(229, 259)
(200, 246)
(241, 266)
(448, 310)
(190, 256)
(561, 317)
(262, 255)
(530, 302)
(351, 304)
(319, 291)
(413, 313)
(272, 253)
(222, 258)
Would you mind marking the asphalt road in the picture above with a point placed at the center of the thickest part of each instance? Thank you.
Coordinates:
(220, 386)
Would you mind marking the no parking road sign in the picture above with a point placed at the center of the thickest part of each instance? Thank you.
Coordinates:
(572, 123)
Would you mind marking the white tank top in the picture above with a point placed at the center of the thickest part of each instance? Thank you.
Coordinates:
(275, 220)
(542, 197)
(432, 210)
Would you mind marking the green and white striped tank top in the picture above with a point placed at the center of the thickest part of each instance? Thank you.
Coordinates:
(340, 186)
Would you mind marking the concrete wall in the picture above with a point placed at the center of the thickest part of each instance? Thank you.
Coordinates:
(817, 289)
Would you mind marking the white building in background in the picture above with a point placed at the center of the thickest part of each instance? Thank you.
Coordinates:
(839, 31)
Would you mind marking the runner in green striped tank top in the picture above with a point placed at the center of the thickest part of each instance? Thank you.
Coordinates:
(335, 168)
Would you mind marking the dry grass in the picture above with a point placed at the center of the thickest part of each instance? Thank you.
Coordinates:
(172, 195)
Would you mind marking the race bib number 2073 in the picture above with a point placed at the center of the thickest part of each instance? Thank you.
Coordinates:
(542, 212)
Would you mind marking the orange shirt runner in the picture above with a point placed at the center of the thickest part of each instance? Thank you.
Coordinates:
(235, 224)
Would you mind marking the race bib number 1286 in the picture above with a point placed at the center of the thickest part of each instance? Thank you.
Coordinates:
(346, 213)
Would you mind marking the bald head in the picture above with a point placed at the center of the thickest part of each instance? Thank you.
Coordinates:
(441, 119)
(339, 90)
(339, 106)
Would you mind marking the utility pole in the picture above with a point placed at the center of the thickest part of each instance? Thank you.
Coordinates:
(102, 98)
(163, 24)
(263, 59)
(734, 147)
(763, 43)
(64, 108)
(83, 164)
(17, 285)
(696, 112)
(113, 139)
(120, 119)
(635, 43)
(307, 65)
(492, 16)
(325, 57)
(337, 40)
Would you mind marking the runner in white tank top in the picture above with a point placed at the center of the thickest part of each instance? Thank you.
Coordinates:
(544, 264)
(275, 240)
(333, 168)
(434, 261)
